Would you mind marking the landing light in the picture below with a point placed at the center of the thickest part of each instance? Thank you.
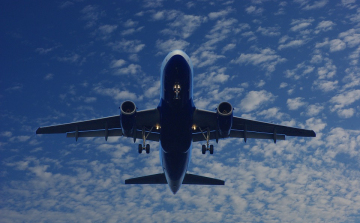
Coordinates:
(157, 127)
(194, 127)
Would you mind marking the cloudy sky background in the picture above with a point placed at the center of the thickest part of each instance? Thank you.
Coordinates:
(294, 63)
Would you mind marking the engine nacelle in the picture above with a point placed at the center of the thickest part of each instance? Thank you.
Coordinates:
(127, 118)
(224, 118)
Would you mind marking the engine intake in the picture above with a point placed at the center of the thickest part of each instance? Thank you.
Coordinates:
(224, 118)
(127, 118)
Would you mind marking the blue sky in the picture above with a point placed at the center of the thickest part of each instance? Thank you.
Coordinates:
(294, 63)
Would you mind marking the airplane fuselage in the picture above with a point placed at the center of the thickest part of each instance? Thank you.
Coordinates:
(176, 109)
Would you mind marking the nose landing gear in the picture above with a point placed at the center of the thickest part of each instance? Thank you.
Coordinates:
(177, 90)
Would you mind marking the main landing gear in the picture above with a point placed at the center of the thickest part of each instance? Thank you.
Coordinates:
(144, 146)
(207, 147)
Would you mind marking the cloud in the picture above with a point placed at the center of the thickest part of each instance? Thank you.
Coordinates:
(107, 29)
(253, 10)
(19, 138)
(348, 3)
(71, 58)
(65, 4)
(328, 71)
(171, 44)
(325, 85)
(346, 113)
(255, 99)
(269, 31)
(266, 59)
(300, 24)
(115, 93)
(324, 26)
(228, 47)
(344, 99)
(337, 45)
(49, 76)
(295, 103)
(351, 37)
(181, 25)
(132, 69)
(6, 134)
(91, 14)
(291, 44)
(153, 3)
(117, 63)
(315, 5)
(313, 110)
(89, 99)
(206, 58)
(45, 51)
(128, 46)
(220, 14)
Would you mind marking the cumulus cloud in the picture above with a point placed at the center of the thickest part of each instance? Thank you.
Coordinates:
(269, 31)
(220, 14)
(180, 24)
(115, 93)
(325, 85)
(128, 46)
(346, 113)
(324, 26)
(266, 58)
(313, 110)
(130, 69)
(300, 24)
(171, 44)
(291, 44)
(255, 99)
(295, 103)
(107, 29)
(345, 99)
(49, 76)
(254, 10)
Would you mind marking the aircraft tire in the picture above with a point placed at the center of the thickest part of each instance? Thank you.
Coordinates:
(140, 149)
(203, 149)
(147, 149)
(211, 149)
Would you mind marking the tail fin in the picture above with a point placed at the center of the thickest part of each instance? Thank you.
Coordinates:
(188, 179)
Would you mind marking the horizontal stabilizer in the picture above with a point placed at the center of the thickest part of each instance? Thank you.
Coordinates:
(196, 179)
(189, 179)
(150, 179)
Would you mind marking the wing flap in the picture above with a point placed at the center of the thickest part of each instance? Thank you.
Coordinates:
(113, 132)
(240, 134)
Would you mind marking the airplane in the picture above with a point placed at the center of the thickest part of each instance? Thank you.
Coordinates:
(176, 123)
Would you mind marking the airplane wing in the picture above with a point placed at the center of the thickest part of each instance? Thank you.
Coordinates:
(108, 126)
(243, 128)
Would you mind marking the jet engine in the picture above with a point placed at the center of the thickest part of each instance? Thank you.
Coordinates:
(224, 118)
(127, 118)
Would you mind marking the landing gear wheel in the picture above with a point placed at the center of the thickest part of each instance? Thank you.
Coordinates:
(211, 149)
(203, 149)
(147, 148)
(140, 149)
